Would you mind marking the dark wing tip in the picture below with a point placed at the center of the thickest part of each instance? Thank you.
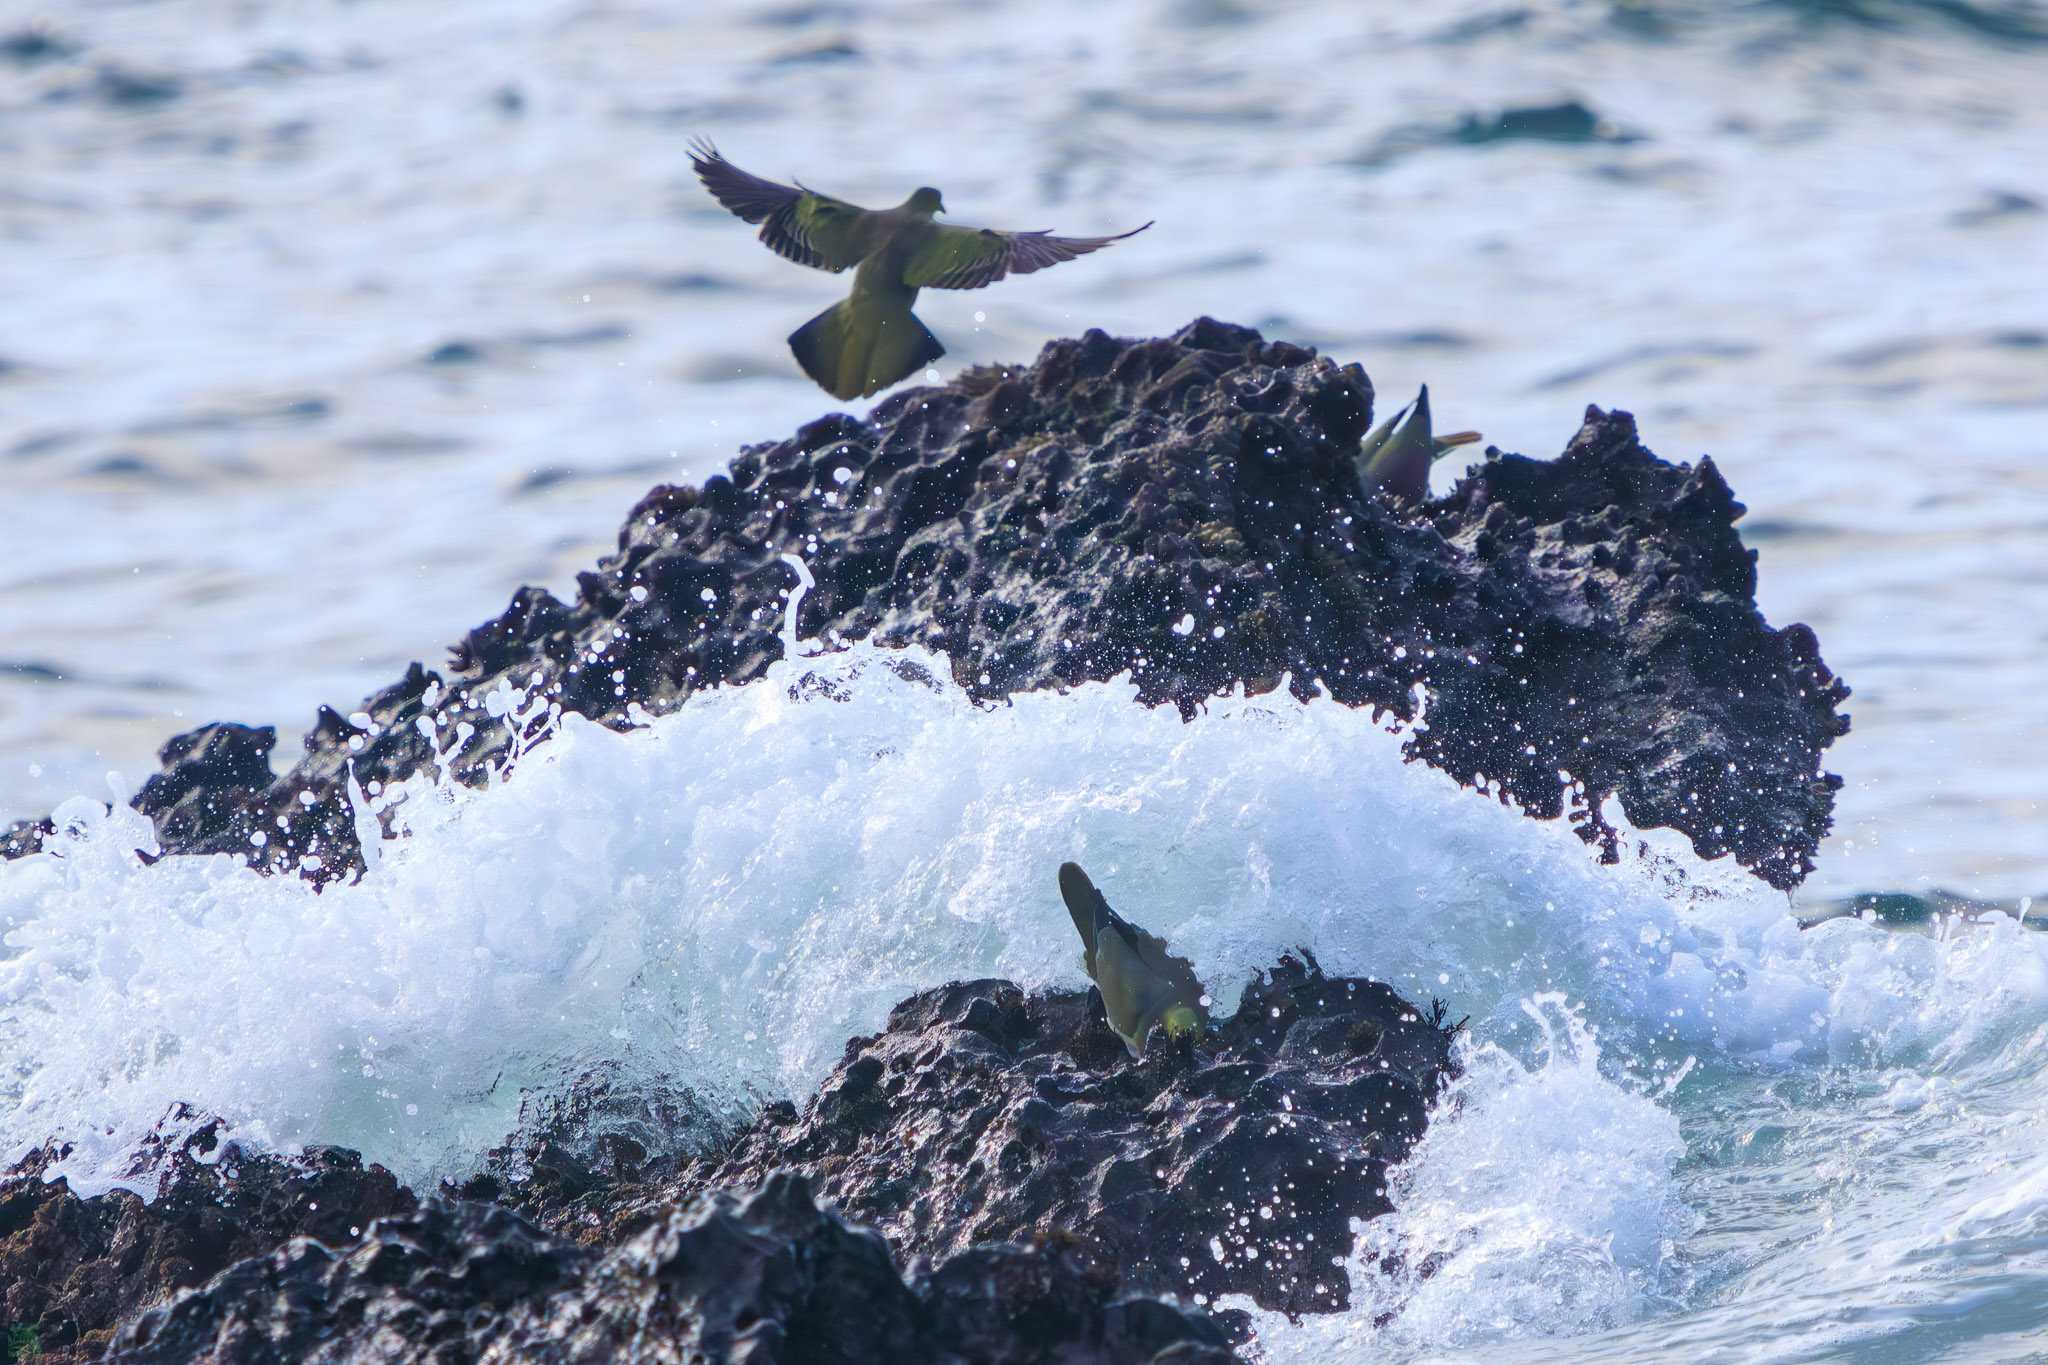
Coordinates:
(1074, 884)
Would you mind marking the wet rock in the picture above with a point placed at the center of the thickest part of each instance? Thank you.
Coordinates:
(72, 1269)
(982, 1114)
(24, 837)
(768, 1277)
(1046, 526)
(190, 799)
(434, 1284)
(1046, 1192)
(572, 1151)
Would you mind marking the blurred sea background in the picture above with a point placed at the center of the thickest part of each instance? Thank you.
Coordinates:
(325, 324)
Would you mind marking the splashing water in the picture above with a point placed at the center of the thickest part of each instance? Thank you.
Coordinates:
(723, 895)
(1543, 1200)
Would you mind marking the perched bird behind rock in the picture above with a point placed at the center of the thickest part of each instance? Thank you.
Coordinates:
(1143, 986)
(1398, 453)
(871, 340)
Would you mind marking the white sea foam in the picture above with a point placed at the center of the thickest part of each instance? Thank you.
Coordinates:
(728, 893)
(725, 894)
(1543, 1201)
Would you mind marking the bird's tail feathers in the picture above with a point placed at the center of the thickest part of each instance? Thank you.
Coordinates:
(855, 351)
(1084, 905)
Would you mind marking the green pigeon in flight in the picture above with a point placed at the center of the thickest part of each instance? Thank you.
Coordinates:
(1143, 986)
(871, 340)
(1398, 453)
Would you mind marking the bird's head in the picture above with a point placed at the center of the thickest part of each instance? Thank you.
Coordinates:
(927, 200)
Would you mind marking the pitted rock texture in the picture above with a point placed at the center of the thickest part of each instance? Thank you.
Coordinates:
(1046, 526)
(982, 1114)
(1047, 1193)
(767, 1278)
(72, 1269)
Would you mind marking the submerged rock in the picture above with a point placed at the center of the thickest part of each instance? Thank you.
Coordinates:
(983, 1114)
(1184, 509)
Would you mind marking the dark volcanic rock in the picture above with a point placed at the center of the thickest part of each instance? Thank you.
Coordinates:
(190, 799)
(982, 1114)
(72, 1269)
(24, 837)
(1003, 1146)
(765, 1278)
(431, 1285)
(1048, 526)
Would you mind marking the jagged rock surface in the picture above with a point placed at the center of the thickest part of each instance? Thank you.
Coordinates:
(767, 1278)
(1005, 1138)
(72, 1269)
(1050, 525)
(982, 1114)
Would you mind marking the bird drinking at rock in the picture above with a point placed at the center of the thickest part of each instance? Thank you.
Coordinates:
(1143, 986)
(870, 340)
(1398, 453)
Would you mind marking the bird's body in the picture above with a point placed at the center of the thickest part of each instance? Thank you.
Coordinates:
(1397, 455)
(1143, 985)
(871, 339)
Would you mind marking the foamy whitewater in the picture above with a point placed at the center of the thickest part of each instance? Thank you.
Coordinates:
(1686, 1129)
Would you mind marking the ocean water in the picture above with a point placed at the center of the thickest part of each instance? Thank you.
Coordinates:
(323, 327)
(1688, 1129)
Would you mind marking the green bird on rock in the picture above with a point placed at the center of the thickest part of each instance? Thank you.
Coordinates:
(871, 340)
(1397, 455)
(1143, 986)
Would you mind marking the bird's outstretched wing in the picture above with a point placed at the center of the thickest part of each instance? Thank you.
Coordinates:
(968, 258)
(807, 227)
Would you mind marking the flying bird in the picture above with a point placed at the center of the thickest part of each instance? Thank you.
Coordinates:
(1398, 453)
(871, 340)
(1143, 986)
